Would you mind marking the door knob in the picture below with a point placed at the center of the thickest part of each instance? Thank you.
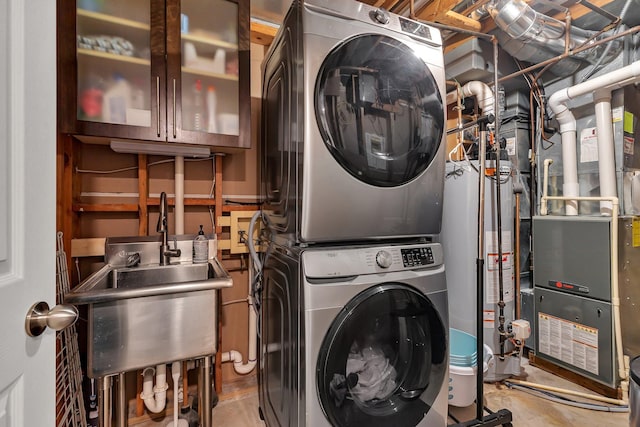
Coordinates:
(57, 318)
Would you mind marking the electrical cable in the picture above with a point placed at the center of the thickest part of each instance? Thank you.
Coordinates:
(235, 301)
(110, 171)
(78, 269)
(598, 65)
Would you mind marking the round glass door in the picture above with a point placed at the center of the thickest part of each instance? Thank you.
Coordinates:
(383, 361)
(379, 110)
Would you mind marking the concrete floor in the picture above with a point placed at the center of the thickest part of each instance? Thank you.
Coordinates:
(238, 406)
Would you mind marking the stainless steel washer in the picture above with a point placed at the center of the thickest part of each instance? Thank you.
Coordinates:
(353, 125)
(354, 336)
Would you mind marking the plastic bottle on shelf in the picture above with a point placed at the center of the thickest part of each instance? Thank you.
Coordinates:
(198, 107)
(116, 100)
(212, 118)
(200, 248)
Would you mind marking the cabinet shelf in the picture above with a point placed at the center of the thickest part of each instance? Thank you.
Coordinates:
(196, 38)
(203, 73)
(105, 207)
(112, 19)
(113, 57)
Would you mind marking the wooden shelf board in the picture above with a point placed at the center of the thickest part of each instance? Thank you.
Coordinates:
(196, 71)
(113, 19)
(154, 201)
(209, 41)
(240, 208)
(105, 207)
(112, 57)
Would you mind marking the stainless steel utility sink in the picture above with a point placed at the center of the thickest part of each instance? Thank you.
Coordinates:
(157, 275)
(148, 314)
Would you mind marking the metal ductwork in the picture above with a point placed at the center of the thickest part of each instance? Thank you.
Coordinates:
(534, 37)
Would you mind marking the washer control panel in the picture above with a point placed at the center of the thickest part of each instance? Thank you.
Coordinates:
(420, 256)
(384, 259)
(351, 261)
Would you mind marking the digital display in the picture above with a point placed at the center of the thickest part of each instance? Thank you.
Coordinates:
(414, 27)
(417, 256)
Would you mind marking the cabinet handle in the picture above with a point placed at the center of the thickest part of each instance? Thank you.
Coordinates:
(158, 103)
(174, 108)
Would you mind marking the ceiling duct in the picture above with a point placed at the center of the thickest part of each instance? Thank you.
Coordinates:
(534, 37)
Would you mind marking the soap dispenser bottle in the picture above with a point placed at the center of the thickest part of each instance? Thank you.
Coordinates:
(200, 248)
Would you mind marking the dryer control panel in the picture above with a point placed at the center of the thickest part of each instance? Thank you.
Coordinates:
(415, 28)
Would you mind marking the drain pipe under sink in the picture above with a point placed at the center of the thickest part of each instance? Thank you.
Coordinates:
(155, 398)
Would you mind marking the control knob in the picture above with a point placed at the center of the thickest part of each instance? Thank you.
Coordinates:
(383, 259)
(381, 16)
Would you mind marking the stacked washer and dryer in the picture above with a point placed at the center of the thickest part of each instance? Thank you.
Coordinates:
(353, 321)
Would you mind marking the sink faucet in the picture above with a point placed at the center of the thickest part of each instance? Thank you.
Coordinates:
(165, 252)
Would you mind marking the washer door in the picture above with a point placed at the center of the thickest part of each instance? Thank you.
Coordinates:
(379, 110)
(383, 361)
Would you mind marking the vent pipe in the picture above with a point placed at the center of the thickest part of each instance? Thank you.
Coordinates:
(535, 37)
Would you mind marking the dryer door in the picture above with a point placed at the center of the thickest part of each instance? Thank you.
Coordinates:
(383, 361)
(379, 109)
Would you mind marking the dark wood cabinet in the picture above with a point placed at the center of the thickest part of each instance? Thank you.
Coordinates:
(174, 71)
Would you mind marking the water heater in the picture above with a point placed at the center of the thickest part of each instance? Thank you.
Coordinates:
(459, 240)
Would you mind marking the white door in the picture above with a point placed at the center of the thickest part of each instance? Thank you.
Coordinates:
(27, 208)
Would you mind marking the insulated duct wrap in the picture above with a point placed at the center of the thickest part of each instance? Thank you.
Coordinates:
(535, 37)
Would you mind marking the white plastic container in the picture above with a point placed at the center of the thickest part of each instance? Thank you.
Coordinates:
(463, 367)
(116, 101)
(462, 384)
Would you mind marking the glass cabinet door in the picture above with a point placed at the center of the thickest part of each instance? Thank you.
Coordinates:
(209, 70)
(114, 78)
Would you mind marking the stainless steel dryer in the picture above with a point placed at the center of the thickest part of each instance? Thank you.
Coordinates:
(354, 336)
(353, 125)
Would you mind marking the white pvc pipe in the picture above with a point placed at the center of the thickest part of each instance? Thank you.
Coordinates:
(558, 104)
(179, 190)
(545, 185)
(234, 355)
(567, 121)
(481, 91)
(155, 398)
(176, 368)
(606, 150)
(570, 392)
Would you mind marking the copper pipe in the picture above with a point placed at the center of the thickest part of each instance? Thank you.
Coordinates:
(185, 385)
(567, 33)
(139, 401)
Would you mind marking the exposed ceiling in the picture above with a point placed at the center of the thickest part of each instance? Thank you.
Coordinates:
(268, 14)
